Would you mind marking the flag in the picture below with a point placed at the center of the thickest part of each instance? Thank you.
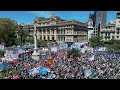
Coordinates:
(82, 46)
(16, 77)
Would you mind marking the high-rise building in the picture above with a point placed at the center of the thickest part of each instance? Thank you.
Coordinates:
(93, 17)
(101, 17)
(118, 15)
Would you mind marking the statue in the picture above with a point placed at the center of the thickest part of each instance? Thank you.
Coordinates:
(35, 55)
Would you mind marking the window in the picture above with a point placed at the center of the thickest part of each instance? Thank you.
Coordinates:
(40, 38)
(52, 38)
(40, 32)
(44, 37)
(58, 38)
(117, 36)
(53, 31)
(48, 38)
(112, 37)
(105, 34)
(44, 31)
(48, 31)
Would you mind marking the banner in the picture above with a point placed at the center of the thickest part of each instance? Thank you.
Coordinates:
(63, 46)
(74, 46)
(49, 62)
(54, 49)
(87, 73)
(92, 58)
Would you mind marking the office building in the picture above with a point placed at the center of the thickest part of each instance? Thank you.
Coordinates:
(101, 17)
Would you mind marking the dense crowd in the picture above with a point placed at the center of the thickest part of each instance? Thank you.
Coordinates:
(104, 66)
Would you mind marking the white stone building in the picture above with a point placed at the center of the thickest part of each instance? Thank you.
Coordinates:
(90, 29)
(111, 31)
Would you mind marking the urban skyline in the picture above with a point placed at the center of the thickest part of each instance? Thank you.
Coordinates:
(27, 17)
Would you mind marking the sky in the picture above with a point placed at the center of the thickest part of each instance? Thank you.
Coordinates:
(27, 17)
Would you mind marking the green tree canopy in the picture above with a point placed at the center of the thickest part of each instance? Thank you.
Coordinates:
(73, 52)
(22, 33)
(114, 45)
(96, 41)
(39, 42)
(8, 29)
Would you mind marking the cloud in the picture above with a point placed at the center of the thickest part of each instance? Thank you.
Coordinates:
(41, 13)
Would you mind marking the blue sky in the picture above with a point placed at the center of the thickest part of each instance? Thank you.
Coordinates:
(28, 16)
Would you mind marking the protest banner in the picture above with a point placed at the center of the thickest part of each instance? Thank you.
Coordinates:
(91, 58)
(54, 49)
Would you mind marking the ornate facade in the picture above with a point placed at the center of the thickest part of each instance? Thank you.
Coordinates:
(57, 29)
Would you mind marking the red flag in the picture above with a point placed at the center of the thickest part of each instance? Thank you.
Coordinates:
(16, 77)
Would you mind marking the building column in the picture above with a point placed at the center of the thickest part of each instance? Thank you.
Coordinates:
(42, 35)
(55, 35)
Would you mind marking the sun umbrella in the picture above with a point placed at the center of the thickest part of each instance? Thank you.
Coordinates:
(43, 71)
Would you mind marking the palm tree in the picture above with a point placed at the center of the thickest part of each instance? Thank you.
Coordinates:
(22, 33)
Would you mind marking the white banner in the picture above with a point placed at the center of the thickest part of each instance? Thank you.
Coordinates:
(92, 58)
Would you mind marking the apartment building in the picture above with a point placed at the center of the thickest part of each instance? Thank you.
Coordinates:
(111, 31)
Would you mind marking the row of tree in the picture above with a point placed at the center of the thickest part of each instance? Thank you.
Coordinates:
(40, 43)
(10, 30)
(112, 45)
(12, 33)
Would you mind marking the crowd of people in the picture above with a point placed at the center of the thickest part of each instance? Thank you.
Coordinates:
(104, 66)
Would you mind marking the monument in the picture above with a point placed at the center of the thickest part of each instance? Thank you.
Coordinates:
(35, 55)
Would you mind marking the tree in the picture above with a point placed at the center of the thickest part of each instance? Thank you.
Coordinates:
(22, 33)
(94, 42)
(114, 45)
(40, 43)
(30, 40)
(73, 52)
(17, 41)
(2, 53)
(8, 29)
